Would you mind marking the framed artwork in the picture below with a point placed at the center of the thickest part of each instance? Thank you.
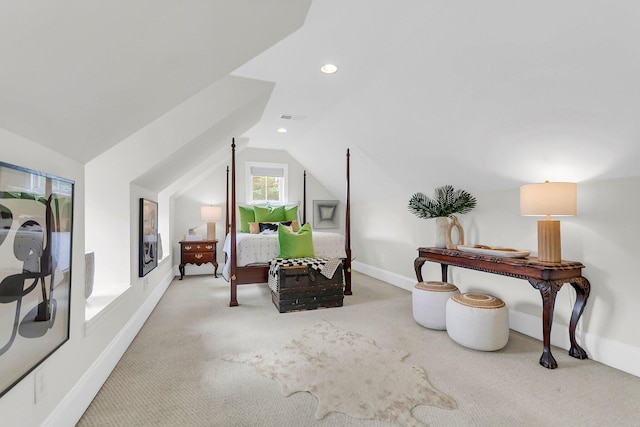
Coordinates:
(36, 224)
(148, 256)
(325, 214)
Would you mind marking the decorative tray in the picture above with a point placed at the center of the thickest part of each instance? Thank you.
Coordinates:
(495, 251)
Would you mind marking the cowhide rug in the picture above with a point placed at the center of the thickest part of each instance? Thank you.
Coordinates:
(348, 373)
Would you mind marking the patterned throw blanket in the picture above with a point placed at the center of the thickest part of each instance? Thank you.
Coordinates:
(325, 266)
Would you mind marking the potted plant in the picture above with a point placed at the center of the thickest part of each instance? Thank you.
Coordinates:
(447, 201)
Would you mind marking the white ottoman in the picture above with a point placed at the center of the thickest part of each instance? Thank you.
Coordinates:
(430, 303)
(478, 321)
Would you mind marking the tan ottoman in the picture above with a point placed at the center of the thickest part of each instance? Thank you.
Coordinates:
(430, 303)
(478, 321)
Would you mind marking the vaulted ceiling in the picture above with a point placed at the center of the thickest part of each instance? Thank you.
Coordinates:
(81, 76)
(479, 94)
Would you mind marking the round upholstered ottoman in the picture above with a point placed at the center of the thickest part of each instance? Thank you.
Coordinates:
(430, 303)
(478, 321)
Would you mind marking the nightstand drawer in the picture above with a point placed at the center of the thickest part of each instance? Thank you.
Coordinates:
(197, 257)
(197, 247)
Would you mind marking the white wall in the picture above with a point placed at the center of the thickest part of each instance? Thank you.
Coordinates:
(602, 236)
(74, 373)
(155, 157)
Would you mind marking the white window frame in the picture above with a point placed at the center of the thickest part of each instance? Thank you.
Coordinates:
(284, 191)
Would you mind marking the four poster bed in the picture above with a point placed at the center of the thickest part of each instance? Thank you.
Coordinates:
(248, 255)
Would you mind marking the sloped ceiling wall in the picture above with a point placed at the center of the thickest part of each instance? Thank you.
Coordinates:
(201, 128)
(482, 95)
(81, 76)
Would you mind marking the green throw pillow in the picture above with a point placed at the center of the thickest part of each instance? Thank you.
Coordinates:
(247, 215)
(269, 213)
(295, 245)
(291, 213)
(10, 195)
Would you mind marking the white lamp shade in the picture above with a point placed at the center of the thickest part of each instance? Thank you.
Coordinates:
(548, 198)
(210, 213)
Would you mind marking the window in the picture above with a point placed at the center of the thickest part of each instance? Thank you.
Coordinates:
(267, 182)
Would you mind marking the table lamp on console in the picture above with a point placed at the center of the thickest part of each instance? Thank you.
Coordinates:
(211, 214)
(547, 199)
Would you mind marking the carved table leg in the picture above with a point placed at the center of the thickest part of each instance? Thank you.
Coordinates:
(582, 287)
(181, 268)
(445, 275)
(548, 291)
(419, 262)
(417, 265)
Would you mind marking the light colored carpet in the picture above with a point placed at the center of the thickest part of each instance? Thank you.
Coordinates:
(348, 373)
(174, 374)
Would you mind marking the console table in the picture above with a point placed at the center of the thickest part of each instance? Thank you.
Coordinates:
(548, 278)
(198, 252)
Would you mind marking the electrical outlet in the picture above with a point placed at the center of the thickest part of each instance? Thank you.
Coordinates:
(40, 385)
(145, 284)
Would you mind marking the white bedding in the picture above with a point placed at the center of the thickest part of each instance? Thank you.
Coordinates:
(260, 248)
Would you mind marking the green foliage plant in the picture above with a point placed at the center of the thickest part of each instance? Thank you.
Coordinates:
(446, 202)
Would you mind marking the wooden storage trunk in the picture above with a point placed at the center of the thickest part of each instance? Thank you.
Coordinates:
(302, 288)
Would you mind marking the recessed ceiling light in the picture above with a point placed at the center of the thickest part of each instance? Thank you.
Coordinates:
(282, 130)
(328, 68)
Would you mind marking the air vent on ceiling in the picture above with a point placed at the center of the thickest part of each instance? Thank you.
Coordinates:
(291, 117)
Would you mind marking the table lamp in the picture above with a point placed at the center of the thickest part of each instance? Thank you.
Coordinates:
(546, 199)
(211, 214)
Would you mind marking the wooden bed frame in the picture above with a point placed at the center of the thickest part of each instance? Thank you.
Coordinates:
(259, 273)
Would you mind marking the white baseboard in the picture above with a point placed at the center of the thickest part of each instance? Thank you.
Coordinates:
(384, 275)
(609, 352)
(75, 403)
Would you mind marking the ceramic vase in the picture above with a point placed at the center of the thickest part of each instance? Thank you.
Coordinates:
(89, 273)
(442, 225)
(160, 253)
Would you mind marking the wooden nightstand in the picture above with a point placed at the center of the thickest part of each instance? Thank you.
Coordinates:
(198, 252)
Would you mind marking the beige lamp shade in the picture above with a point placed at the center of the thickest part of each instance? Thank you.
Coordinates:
(211, 214)
(546, 199)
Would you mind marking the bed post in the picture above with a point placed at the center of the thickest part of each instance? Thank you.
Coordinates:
(226, 207)
(234, 260)
(304, 199)
(347, 240)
